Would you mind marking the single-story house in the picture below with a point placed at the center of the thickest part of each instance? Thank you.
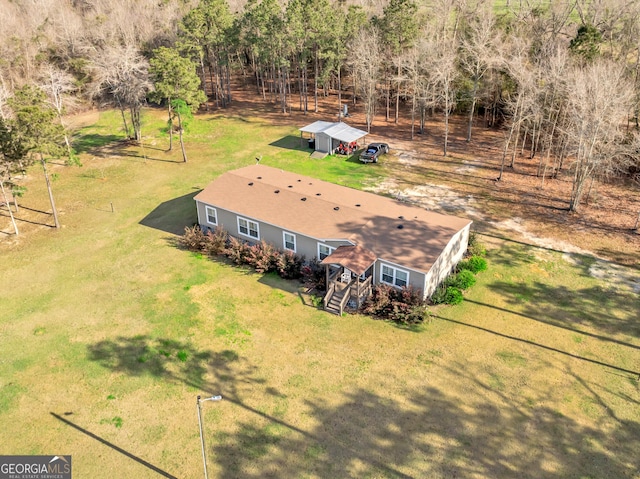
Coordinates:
(362, 238)
(327, 135)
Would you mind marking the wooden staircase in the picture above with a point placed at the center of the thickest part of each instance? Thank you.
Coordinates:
(334, 304)
(338, 296)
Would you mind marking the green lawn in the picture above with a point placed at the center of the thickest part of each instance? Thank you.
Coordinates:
(109, 332)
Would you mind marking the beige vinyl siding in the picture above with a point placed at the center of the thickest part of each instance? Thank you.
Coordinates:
(447, 261)
(416, 278)
(305, 245)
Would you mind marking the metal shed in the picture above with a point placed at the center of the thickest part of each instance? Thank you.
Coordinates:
(328, 135)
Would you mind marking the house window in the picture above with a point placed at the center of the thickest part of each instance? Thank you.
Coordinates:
(212, 215)
(394, 277)
(324, 251)
(248, 228)
(289, 240)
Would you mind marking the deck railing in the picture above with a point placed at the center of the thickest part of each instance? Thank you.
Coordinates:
(330, 291)
(347, 295)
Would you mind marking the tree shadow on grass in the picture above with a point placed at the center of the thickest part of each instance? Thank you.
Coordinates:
(570, 308)
(173, 216)
(175, 361)
(91, 142)
(157, 357)
(371, 433)
(432, 435)
(124, 452)
(630, 373)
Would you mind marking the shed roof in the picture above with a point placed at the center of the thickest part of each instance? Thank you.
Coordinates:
(397, 232)
(339, 130)
(316, 126)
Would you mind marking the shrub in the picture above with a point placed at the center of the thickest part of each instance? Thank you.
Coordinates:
(289, 265)
(216, 242)
(475, 264)
(237, 250)
(263, 257)
(193, 239)
(313, 274)
(447, 295)
(475, 248)
(462, 280)
(379, 303)
(400, 305)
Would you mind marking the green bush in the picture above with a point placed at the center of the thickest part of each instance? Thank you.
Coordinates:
(447, 295)
(462, 280)
(475, 264)
(475, 248)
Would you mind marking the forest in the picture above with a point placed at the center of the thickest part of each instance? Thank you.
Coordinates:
(560, 79)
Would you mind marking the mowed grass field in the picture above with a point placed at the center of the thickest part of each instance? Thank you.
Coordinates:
(108, 332)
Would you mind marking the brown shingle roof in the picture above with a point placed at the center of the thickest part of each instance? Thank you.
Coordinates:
(354, 258)
(397, 232)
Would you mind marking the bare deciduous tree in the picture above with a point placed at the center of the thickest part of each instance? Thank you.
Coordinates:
(121, 76)
(598, 105)
(479, 52)
(58, 85)
(365, 66)
(519, 104)
(443, 74)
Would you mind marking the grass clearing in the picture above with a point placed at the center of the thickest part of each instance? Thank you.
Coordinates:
(109, 331)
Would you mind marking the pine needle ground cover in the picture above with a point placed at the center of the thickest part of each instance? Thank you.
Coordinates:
(109, 332)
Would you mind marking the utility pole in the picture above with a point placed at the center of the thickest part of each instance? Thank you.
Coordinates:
(199, 406)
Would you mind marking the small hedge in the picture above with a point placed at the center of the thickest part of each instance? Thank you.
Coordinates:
(400, 305)
(475, 247)
(450, 291)
(475, 264)
(263, 256)
(461, 280)
(447, 295)
(289, 265)
(313, 274)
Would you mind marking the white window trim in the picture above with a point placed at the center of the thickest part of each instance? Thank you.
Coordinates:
(248, 228)
(331, 250)
(395, 271)
(284, 241)
(206, 215)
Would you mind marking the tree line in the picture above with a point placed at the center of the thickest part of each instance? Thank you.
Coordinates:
(562, 79)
